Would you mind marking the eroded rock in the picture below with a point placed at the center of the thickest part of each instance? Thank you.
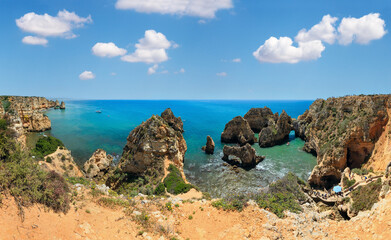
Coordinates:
(98, 164)
(174, 122)
(244, 156)
(238, 131)
(258, 118)
(210, 145)
(277, 131)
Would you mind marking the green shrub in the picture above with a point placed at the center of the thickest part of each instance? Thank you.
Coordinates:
(284, 194)
(3, 124)
(46, 146)
(6, 105)
(27, 182)
(365, 196)
(228, 205)
(49, 160)
(175, 183)
(160, 189)
(360, 171)
(63, 158)
(349, 183)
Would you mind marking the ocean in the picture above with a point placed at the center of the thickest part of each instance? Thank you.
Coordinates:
(83, 131)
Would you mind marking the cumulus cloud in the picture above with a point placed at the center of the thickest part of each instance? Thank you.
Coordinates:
(107, 50)
(150, 49)
(49, 26)
(361, 30)
(86, 75)
(310, 42)
(152, 70)
(198, 8)
(35, 40)
(282, 50)
(324, 31)
(221, 74)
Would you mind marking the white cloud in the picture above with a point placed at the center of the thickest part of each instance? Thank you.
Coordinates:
(282, 51)
(113, 74)
(361, 30)
(236, 60)
(152, 70)
(202, 21)
(35, 40)
(182, 70)
(86, 75)
(324, 31)
(221, 74)
(150, 49)
(107, 50)
(49, 26)
(198, 8)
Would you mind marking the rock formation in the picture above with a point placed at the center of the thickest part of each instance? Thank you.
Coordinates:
(57, 104)
(62, 162)
(277, 131)
(62, 105)
(152, 146)
(238, 131)
(209, 148)
(174, 122)
(243, 156)
(342, 132)
(258, 118)
(25, 114)
(98, 164)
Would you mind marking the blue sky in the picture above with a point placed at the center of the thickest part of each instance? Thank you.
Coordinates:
(202, 40)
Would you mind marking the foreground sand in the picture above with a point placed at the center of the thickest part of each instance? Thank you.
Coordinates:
(88, 220)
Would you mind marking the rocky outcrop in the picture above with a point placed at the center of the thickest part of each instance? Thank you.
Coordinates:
(57, 104)
(277, 131)
(38, 122)
(209, 148)
(258, 118)
(62, 105)
(174, 122)
(238, 131)
(152, 147)
(25, 114)
(62, 162)
(98, 164)
(243, 156)
(342, 132)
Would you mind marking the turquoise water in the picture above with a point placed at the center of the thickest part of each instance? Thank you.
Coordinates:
(83, 131)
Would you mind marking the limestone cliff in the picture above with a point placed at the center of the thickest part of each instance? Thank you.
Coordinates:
(151, 147)
(26, 114)
(238, 131)
(277, 130)
(258, 118)
(342, 132)
(62, 162)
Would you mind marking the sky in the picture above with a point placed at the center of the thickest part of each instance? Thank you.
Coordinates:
(194, 49)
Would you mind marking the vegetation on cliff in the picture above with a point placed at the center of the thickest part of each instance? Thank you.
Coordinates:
(21, 177)
(174, 181)
(46, 146)
(365, 196)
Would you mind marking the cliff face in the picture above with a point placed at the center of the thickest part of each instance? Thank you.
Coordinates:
(277, 130)
(342, 132)
(25, 114)
(151, 147)
(238, 131)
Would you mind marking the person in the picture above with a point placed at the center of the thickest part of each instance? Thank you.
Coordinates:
(287, 143)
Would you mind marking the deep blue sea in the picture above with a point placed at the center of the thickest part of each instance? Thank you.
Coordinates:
(83, 131)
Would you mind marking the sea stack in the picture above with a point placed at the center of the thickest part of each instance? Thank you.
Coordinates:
(62, 106)
(258, 118)
(238, 131)
(277, 132)
(174, 122)
(152, 146)
(209, 148)
(243, 156)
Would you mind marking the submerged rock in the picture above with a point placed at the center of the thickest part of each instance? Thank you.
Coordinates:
(210, 145)
(243, 156)
(174, 122)
(238, 131)
(277, 131)
(152, 146)
(258, 118)
(342, 132)
(98, 164)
